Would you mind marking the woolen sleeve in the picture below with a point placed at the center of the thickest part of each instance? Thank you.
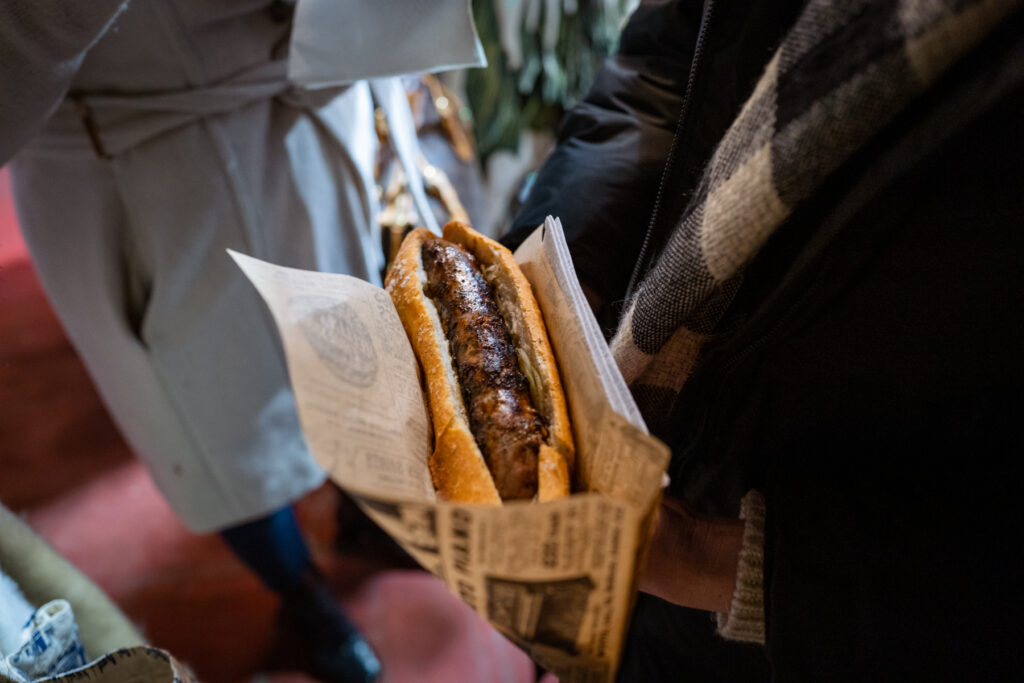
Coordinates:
(42, 44)
(745, 619)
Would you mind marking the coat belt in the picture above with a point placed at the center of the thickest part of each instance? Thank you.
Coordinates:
(109, 125)
(113, 124)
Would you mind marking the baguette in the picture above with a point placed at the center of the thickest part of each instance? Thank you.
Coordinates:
(500, 422)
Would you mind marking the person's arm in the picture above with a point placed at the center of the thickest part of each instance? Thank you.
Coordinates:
(711, 563)
(42, 43)
(602, 178)
(693, 558)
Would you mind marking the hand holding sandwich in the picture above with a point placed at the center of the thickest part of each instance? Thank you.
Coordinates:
(693, 558)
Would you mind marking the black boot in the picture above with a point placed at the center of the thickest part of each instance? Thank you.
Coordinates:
(336, 651)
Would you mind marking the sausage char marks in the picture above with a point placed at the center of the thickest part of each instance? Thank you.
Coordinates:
(504, 423)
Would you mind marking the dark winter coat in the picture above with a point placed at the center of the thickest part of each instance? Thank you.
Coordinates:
(867, 376)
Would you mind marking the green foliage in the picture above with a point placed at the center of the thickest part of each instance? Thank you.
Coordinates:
(505, 100)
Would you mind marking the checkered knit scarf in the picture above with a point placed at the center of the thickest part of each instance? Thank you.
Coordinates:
(844, 70)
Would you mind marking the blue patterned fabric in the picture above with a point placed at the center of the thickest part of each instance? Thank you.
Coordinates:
(50, 643)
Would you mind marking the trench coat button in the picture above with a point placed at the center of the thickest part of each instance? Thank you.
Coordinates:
(281, 11)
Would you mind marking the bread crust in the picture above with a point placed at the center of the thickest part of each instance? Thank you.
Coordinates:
(457, 466)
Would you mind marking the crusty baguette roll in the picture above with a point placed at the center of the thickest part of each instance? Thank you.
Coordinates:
(457, 465)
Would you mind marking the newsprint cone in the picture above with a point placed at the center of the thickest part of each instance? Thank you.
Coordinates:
(558, 578)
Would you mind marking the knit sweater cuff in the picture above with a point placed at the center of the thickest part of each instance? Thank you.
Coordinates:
(745, 619)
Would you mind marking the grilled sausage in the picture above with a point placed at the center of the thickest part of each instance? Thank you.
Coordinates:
(498, 413)
(504, 423)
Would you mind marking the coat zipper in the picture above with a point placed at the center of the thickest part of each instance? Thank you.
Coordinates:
(695, 64)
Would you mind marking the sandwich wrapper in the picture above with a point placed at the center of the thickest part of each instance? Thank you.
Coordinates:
(558, 578)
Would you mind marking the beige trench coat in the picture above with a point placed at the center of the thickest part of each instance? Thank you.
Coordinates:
(179, 138)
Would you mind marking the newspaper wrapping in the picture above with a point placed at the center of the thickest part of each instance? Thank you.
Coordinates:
(558, 578)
